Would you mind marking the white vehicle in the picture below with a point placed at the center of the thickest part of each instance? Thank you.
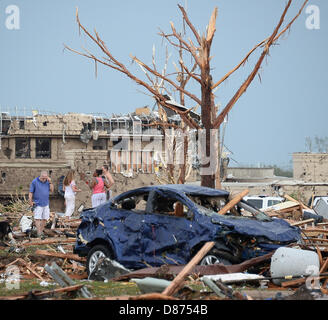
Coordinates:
(316, 199)
(263, 202)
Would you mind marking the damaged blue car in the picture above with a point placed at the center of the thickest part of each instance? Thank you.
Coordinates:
(168, 224)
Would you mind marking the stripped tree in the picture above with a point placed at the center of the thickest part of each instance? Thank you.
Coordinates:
(199, 49)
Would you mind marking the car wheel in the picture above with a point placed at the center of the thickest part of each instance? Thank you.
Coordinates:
(95, 254)
(214, 257)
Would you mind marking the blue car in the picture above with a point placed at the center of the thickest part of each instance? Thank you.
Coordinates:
(168, 224)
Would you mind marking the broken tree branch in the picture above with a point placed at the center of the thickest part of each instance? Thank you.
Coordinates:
(225, 77)
(192, 28)
(252, 75)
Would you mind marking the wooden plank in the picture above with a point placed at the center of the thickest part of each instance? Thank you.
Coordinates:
(233, 202)
(34, 272)
(313, 234)
(152, 296)
(30, 268)
(43, 242)
(177, 282)
(315, 230)
(287, 205)
(78, 276)
(42, 293)
(320, 256)
(300, 223)
(60, 255)
(299, 202)
(316, 239)
(297, 282)
(324, 266)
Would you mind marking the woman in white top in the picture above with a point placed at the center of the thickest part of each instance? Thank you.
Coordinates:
(70, 189)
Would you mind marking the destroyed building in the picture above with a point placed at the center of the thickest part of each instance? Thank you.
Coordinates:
(84, 142)
(310, 178)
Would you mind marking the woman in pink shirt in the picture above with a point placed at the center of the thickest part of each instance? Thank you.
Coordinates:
(97, 186)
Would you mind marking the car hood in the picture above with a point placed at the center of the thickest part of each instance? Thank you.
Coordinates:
(275, 230)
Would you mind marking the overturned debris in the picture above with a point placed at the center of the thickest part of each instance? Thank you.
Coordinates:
(169, 271)
(64, 280)
(106, 269)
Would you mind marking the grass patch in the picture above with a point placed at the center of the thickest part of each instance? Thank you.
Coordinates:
(111, 288)
(97, 288)
(24, 287)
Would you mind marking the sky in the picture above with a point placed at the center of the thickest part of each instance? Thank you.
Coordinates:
(268, 124)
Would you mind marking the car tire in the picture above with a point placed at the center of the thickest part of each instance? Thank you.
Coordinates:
(97, 252)
(214, 257)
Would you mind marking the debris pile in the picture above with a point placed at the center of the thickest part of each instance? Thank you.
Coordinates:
(298, 271)
(26, 255)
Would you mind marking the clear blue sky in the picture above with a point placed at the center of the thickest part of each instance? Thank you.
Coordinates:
(268, 124)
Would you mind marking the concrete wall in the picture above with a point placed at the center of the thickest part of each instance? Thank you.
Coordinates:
(251, 173)
(311, 167)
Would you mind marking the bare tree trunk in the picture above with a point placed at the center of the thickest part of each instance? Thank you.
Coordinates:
(199, 50)
(208, 179)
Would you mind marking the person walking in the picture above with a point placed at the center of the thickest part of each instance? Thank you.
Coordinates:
(97, 186)
(39, 200)
(109, 180)
(70, 189)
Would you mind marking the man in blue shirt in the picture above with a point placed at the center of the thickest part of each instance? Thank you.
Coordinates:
(39, 198)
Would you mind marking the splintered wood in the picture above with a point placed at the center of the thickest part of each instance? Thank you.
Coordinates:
(32, 259)
(313, 234)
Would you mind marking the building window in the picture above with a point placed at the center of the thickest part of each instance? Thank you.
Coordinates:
(100, 144)
(23, 148)
(43, 148)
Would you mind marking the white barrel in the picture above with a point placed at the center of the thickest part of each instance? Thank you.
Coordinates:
(295, 262)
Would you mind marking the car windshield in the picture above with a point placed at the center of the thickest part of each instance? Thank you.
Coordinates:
(257, 203)
(273, 202)
(210, 206)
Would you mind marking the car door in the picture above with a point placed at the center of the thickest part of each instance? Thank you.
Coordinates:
(165, 236)
(124, 226)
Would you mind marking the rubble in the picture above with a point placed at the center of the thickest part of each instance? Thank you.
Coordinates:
(253, 279)
(107, 269)
(64, 280)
